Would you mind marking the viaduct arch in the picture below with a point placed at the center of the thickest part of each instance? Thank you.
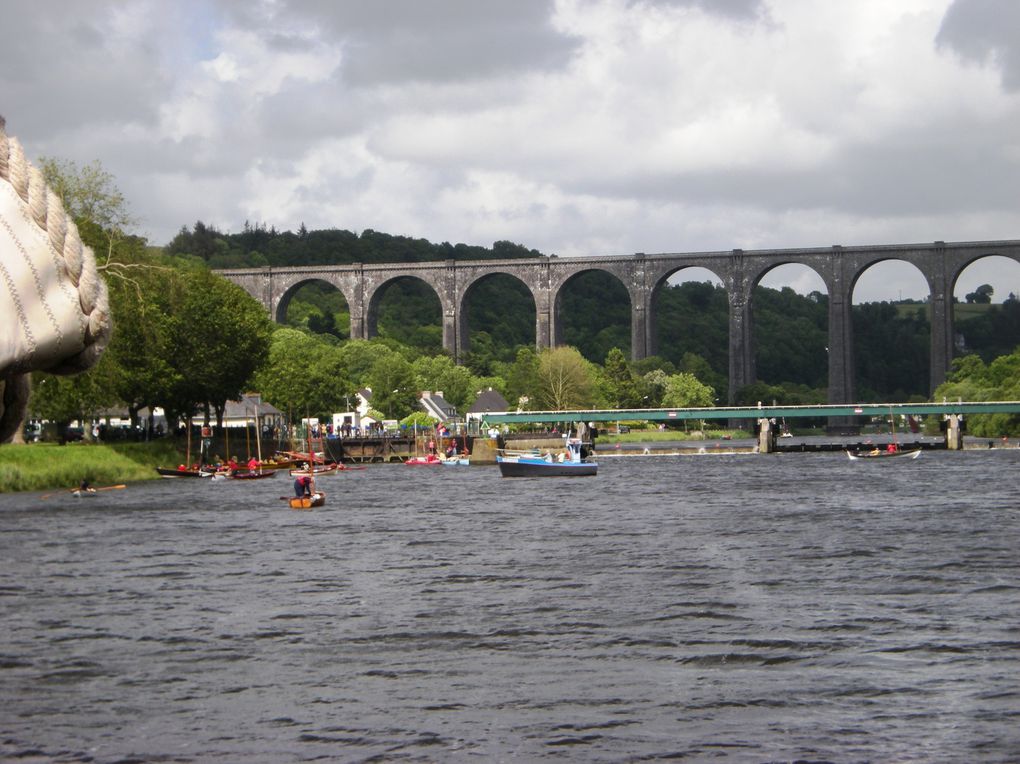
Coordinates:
(642, 275)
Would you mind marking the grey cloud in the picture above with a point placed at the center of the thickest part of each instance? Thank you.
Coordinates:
(905, 175)
(736, 9)
(983, 31)
(57, 73)
(447, 40)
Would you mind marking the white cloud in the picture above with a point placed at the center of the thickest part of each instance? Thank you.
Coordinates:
(577, 128)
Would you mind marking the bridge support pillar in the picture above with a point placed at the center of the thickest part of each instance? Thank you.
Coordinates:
(742, 371)
(638, 333)
(954, 432)
(766, 436)
(450, 344)
(941, 319)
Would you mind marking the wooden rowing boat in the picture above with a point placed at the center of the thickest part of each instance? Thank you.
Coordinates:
(880, 454)
(317, 499)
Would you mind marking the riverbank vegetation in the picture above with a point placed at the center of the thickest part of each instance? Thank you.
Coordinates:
(971, 379)
(44, 466)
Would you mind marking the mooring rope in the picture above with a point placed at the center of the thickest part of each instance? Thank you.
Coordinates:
(54, 305)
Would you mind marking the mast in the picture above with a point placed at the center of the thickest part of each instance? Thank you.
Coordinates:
(311, 456)
(258, 438)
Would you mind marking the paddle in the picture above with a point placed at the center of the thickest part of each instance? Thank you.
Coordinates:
(101, 488)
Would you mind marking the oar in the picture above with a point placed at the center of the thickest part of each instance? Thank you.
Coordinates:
(101, 488)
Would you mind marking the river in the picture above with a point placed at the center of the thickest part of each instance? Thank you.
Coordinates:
(739, 608)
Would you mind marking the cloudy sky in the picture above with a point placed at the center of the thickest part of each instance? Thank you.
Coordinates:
(577, 127)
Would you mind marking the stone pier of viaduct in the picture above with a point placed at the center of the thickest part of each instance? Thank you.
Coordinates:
(643, 276)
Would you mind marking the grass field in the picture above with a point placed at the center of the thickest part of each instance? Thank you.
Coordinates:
(961, 310)
(41, 466)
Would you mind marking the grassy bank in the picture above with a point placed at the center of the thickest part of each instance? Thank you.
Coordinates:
(43, 466)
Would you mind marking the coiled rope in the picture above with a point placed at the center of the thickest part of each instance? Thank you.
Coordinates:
(54, 305)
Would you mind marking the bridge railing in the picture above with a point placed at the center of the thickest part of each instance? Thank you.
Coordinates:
(959, 408)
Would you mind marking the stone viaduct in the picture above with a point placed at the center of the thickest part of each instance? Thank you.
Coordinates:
(643, 276)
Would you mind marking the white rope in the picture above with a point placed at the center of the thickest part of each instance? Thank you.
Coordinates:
(54, 306)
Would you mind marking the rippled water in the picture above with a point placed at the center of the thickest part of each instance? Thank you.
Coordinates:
(706, 608)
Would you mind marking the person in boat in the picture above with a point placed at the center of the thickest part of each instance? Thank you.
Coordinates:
(84, 486)
(451, 450)
(874, 452)
(432, 447)
(303, 486)
(253, 465)
(891, 448)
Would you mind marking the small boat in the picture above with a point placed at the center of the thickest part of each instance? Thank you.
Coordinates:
(534, 464)
(457, 461)
(317, 499)
(249, 475)
(312, 496)
(419, 461)
(84, 493)
(183, 472)
(877, 453)
(891, 451)
(317, 470)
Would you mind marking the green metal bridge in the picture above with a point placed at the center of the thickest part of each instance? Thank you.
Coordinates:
(957, 409)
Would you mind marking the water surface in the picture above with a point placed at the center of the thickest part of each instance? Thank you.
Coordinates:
(705, 608)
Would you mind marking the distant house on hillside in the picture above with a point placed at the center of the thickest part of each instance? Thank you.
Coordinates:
(362, 419)
(437, 407)
(243, 412)
(488, 401)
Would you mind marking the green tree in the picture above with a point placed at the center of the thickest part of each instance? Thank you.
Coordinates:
(692, 363)
(220, 337)
(304, 376)
(282, 380)
(981, 296)
(358, 357)
(683, 390)
(62, 399)
(564, 379)
(522, 379)
(440, 373)
(624, 391)
(88, 192)
(972, 380)
(394, 387)
(654, 384)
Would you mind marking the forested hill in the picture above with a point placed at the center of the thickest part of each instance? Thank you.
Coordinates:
(258, 246)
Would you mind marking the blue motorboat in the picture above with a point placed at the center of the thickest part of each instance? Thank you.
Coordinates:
(567, 463)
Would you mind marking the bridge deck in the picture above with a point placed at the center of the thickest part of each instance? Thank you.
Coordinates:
(755, 412)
